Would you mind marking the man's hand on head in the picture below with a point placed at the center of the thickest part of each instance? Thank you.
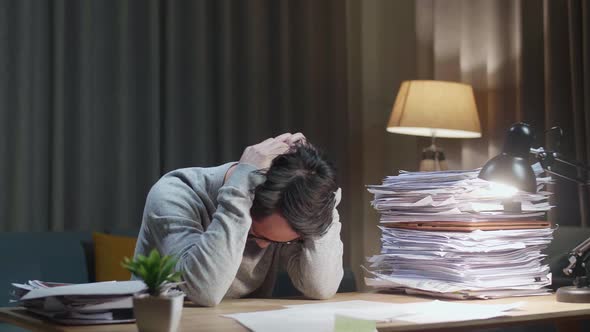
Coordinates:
(262, 154)
(293, 139)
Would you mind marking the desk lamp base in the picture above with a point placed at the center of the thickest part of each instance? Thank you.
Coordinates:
(573, 294)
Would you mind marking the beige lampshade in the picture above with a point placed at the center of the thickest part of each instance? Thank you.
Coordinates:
(442, 109)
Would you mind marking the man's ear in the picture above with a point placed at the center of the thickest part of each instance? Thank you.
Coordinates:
(337, 196)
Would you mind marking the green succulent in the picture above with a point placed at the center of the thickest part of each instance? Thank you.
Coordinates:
(156, 272)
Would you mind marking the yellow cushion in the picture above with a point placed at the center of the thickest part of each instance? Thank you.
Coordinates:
(109, 251)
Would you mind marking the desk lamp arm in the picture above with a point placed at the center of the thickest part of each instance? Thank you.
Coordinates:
(579, 257)
(579, 264)
(549, 158)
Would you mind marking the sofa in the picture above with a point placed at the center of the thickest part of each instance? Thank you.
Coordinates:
(43, 256)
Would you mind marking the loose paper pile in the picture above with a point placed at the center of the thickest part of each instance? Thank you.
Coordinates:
(447, 234)
(80, 304)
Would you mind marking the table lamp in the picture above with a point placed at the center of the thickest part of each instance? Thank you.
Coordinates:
(511, 167)
(434, 109)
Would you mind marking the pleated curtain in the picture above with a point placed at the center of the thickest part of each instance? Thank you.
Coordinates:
(98, 99)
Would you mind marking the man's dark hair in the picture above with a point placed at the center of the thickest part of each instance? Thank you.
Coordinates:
(300, 185)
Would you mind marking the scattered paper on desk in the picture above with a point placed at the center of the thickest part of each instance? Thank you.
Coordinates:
(441, 311)
(353, 304)
(378, 311)
(286, 320)
(317, 317)
(324, 317)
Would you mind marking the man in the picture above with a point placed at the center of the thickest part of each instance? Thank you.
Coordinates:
(233, 226)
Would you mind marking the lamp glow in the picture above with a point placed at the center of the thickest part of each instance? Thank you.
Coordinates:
(501, 190)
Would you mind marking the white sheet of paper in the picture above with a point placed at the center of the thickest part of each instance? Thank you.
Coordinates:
(442, 311)
(320, 317)
(371, 310)
(317, 317)
(286, 320)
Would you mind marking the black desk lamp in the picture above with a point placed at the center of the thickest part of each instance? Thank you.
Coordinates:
(511, 167)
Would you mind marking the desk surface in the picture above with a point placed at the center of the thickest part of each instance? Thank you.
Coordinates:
(537, 309)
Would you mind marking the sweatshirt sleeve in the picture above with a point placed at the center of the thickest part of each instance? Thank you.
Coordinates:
(315, 267)
(208, 260)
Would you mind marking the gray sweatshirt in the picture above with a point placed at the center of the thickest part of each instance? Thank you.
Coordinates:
(192, 214)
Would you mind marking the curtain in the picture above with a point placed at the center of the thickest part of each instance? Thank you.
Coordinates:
(98, 99)
(528, 61)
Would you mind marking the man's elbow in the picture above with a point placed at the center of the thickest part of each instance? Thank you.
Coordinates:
(321, 293)
(200, 293)
(324, 290)
(205, 299)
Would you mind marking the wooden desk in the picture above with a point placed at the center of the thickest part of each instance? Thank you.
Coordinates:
(541, 309)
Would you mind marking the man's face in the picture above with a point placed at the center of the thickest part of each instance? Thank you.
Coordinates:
(273, 228)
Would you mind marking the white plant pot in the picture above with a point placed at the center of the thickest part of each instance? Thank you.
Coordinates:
(157, 313)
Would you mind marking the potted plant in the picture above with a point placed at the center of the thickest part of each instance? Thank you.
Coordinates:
(160, 309)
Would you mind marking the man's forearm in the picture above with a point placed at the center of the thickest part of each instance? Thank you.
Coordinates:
(316, 270)
(209, 259)
(210, 266)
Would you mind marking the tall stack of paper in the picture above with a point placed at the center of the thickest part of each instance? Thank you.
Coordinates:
(448, 234)
(80, 304)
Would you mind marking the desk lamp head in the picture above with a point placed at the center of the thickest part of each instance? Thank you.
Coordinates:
(511, 167)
